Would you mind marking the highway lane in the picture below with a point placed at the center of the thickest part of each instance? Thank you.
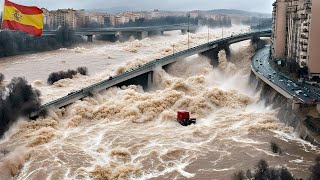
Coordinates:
(299, 91)
(146, 68)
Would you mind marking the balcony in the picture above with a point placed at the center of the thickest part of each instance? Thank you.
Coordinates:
(303, 55)
(303, 43)
(304, 36)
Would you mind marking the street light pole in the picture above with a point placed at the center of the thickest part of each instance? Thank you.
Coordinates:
(259, 22)
(222, 31)
(1, 12)
(208, 29)
(173, 48)
(188, 15)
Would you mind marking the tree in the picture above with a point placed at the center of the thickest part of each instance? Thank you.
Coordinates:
(315, 169)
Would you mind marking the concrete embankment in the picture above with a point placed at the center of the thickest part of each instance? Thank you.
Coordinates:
(287, 112)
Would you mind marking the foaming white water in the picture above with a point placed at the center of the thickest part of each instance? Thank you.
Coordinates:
(102, 60)
(128, 133)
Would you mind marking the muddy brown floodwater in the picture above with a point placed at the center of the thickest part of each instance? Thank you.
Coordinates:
(129, 133)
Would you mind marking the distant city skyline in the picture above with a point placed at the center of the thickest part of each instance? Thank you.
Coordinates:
(264, 6)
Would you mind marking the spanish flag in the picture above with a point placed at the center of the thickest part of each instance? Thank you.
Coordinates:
(25, 18)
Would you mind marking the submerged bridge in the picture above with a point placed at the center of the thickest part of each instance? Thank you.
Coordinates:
(144, 73)
(125, 33)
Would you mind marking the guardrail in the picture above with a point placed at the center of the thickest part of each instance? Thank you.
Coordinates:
(285, 90)
(74, 96)
(265, 78)
(127, 29)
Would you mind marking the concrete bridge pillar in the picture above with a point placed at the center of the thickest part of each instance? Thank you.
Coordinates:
(296, 106)
(122, 37)
(258, 43)
(213, 54)
(228, 52)
(192, 31)
(150, 78)
(90, 38)
(108, 37)
(142, 35)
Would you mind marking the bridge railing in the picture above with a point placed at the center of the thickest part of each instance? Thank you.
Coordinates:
(146, 67)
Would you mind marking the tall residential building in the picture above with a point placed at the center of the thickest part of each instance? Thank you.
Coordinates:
(296, 25)
(62, 17)
(314, 44)
(81, 18)
(46, 17)
(279, 28)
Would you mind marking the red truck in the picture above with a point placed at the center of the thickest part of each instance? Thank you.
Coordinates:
(183, 117)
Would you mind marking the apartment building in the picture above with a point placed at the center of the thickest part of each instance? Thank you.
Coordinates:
(296, 25)
(61, 17)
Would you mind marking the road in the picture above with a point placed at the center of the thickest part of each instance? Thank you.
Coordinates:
(146, 68)
(298, 91)
(101, 31)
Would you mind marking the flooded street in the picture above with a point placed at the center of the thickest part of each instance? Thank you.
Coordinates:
(129, 133)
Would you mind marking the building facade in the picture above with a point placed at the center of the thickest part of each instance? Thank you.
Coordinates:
(61, 17)
(296, 24)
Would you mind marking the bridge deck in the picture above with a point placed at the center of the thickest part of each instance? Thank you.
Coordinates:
(74, 96)
(100, 31)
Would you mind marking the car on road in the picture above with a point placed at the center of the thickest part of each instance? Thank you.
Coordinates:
(305, 95)
(298, 92)
(280, 80)
(300, 80)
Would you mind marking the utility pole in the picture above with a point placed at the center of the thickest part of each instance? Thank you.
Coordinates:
(259, 22)
(208, 29)
(188, 15)
(1, 12)
(173, 48)
(222, 31)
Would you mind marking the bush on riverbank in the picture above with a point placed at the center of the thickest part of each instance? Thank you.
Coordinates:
(17, 42)
(264, 172)
(315, 169)
(19, 99)
(83, 70)
(56, 76)
(275, 148)
(1, 77)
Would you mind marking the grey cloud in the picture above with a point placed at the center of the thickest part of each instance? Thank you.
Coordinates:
(248, 5)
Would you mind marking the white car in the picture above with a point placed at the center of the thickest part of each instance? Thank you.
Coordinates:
(298, 92)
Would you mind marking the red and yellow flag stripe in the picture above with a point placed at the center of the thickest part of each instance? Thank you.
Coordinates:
(25, 18)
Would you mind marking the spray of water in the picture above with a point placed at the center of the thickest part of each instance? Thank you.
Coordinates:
(127, 133)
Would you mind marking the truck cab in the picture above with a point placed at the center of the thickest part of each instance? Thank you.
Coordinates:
(183, 117)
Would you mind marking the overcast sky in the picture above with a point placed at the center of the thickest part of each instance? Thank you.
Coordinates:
(186, 5)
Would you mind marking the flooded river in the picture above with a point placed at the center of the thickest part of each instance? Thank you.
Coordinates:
(131, 133)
